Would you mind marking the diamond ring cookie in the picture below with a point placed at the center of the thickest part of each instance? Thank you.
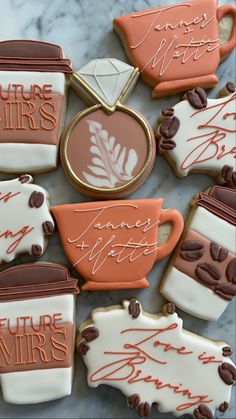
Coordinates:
(33, 86)
(114, 244)
(198, 134)
(178, 46)
(25, 220)
(201, 276)
(107, 150)
(37, 332)
(152, 359)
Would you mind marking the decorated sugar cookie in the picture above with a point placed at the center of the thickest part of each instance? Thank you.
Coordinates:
(152, 359)
(33, 84)
(115, 244)
(25, 220)
(108, 149)
(178, 46)
(198, 134)
(37, 332)
(201, 276)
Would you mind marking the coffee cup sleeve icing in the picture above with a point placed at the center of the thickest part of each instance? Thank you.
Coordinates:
(37, 322)
(151, 359)
(32, 104)
(200, 277)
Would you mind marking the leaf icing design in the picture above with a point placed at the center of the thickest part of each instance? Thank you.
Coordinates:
(111, 163)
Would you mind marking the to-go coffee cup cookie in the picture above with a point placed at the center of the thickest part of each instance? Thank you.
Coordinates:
(201, 275)
(37, 332)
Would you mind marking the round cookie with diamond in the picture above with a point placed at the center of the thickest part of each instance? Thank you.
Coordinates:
(108, 149)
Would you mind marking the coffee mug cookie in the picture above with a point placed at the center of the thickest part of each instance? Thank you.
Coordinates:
(108, 149)
(37, 332)
(151, 359)
(33, 90)
(201, 275)
(25, 219)
(198, 134)
(177, 47)
(114, 244)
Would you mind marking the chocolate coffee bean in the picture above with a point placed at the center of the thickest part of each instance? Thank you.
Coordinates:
(134, 309)
(36, 250)
(227, 289)
(197, 98)
(231, 271)
(167, 144)
(24, 178)
(169, 126)
(167, 111)
(217, 252)
(36, 199)
(90, 334)
(226, 173)
(227, 373)
(48, 228)
(203, 412)
(207, 273)
(191, 250)
(83, 348)
(144, 410)
(230, 86)
(226, 351)
(133, 401)
(170, 308)
(223, 407)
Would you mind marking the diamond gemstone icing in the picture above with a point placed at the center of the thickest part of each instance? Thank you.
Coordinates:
(106, 77)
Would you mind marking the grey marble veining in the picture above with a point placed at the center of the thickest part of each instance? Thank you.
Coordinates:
(84, 29)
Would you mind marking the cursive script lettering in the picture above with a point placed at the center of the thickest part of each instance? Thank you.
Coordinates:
(18, 236)
(212, 133)
(133, 357)
(9, 195)
(105, 247)
(172, 46)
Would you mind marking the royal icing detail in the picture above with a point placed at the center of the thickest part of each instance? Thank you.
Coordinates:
(36, 334)
(31, 104)
(106, 77)
(108, 150)
(25, 220)
(205, 138)
(114, 244)
(176, 45)
(152, 359)
(206, 256)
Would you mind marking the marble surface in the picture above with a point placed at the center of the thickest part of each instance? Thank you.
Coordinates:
(84, 29)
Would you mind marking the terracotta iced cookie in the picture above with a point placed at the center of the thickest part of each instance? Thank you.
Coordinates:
(201, 276)
(37, 331)
(115, 244)
(108, 150)
(32, 104)
(25, 220)
(198, 134)
(152, 359)
(179, 46)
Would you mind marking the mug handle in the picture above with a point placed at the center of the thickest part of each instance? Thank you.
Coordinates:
(175, 218)
(227, 9)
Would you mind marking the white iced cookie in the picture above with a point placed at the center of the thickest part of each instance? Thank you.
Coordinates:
(198, 134)
(25, 220)
(152, 359)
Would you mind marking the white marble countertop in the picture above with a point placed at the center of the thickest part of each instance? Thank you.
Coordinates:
(84, 29)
